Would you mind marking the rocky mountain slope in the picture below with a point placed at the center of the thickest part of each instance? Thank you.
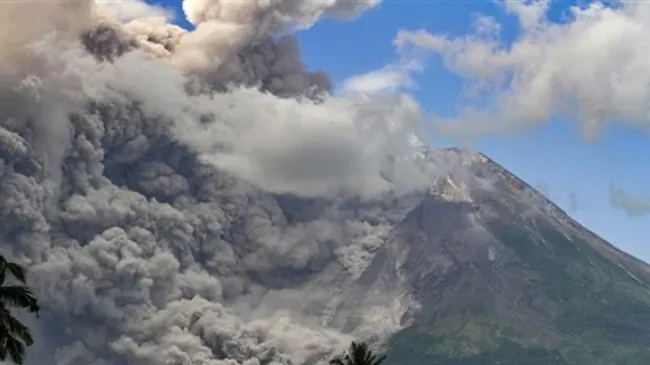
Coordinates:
(482, 269)
(503, 276)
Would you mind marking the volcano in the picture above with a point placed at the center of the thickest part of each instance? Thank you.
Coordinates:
(184, 263)
(202, 197)
(504, 276)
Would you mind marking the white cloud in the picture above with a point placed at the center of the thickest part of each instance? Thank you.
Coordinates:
(594, 67)
(391, 78)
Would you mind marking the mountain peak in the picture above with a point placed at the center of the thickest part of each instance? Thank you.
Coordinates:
(503, 275)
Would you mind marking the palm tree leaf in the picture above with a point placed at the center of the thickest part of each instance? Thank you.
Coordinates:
(19, 296)
(14, 336)
(3, 269)
(348, 360)
(370, 358)
(17, 271)
(358, 354)
(14, 349)
(12, 326)
(3, 350)
(379, 360)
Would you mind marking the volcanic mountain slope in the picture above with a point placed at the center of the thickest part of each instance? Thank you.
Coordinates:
(169, 260)
(141, 189)
(503, 276)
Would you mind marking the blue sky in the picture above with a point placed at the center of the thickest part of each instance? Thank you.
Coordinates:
(551, 154)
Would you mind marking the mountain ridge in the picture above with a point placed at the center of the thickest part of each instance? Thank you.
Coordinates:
(556, 265)
(612, 250)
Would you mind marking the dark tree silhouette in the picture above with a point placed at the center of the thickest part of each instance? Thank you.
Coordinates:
(358, 354)
(14, 336)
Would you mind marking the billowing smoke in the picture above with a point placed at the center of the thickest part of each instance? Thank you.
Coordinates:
(575, 203)
(632, 205)
(183, 197)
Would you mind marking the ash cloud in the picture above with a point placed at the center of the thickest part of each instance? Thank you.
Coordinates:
(154, 179)
(632, 205)
(575, 204)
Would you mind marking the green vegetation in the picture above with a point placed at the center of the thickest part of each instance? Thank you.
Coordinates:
(604, 312)
(600, 312)
(14, 336)
(414, 346)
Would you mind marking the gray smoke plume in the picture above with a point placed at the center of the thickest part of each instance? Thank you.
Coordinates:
(196, 197)
(632, 205)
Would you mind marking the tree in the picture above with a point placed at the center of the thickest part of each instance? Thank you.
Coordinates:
(358, 354)
(14, 336)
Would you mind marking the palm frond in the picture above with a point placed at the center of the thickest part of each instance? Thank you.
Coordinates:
(19, 296)
(358, 354)
(12, 327)
(16, 270)
(379, 360)
(12, 348)
(3, 269)
(14, 336)
(366, 357)
(3, 350)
